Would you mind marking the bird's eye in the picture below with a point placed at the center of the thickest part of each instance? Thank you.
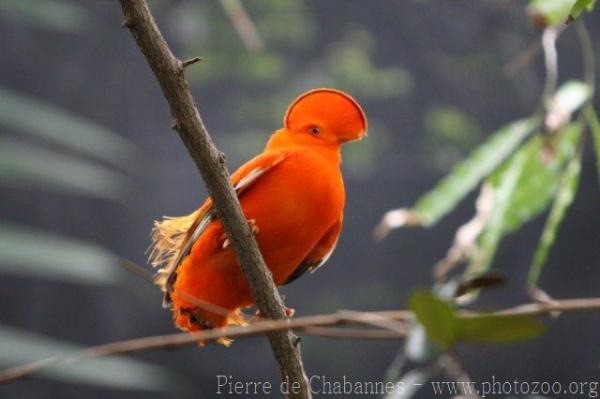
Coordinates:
(314, 130)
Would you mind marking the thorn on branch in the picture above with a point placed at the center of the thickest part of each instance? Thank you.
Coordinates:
(297, 340)
(191, 61)
(221, 157)
(127, 23)
(569, 20)
(175, 125)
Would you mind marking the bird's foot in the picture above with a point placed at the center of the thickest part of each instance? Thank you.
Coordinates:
(289, 312)
(195, 319)
(253, 226)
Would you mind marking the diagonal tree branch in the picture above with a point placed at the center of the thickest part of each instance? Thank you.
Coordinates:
(169, 71)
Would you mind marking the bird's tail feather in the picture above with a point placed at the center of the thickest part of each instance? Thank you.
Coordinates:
(168, 236)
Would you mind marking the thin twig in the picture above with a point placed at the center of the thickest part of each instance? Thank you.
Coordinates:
(172, 340)
(549, 38)
(307, 324)
(191, 61)
(563, 305)
(523, 59)
(352, 333)
(169, 71)
(550, 60)
(243, 24)
(587, 53)
(137, 270)
(465, 239)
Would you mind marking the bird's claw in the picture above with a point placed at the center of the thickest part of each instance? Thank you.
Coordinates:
(289, 312)
(226, 241)
(253, 226)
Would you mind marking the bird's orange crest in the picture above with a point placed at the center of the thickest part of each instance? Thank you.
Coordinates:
(327, 109)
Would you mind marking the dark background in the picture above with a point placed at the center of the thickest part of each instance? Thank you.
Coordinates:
(423, 58)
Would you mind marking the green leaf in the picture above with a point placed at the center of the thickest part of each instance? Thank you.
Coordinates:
(594, 125)
(34, 253)
(64, 128)
(445, 328)
(117, 372)
(498, 328)
(554, 11)
(54, 15)
(537, 168)
(545, 162)
(437, 317)
(579, 6)
(568, 98)
(30, 167)
(469, 172)
(563, 199)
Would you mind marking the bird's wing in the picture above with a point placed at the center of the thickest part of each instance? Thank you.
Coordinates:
(320, 253)
(173, 238)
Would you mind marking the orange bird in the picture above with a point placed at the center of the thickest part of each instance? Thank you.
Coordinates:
(293, 196)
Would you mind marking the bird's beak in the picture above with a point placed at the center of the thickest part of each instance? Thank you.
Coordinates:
(349, 137)
(361, 136)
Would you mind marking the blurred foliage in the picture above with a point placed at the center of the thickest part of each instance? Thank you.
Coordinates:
(41, 120)
(523, 188)
(60, 16)
(556, 12)
(594, 124)
(446, 328)
(289, 33)
(545, 159)
(348, 63)
(494, 226)
(450, 133)
(469, 172)
(524, 177)
(55, 257)
(580, 6)
(29, 167)
(531, 166)
(436, 316)
(553, 12)
(117, 372)
(566, 191)
(66, 154)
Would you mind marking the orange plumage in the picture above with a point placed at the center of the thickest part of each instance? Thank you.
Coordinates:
(293, 196)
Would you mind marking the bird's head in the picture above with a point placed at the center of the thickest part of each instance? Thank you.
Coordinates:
(326, 114)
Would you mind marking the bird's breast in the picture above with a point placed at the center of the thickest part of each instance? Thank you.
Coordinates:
(293, 206)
